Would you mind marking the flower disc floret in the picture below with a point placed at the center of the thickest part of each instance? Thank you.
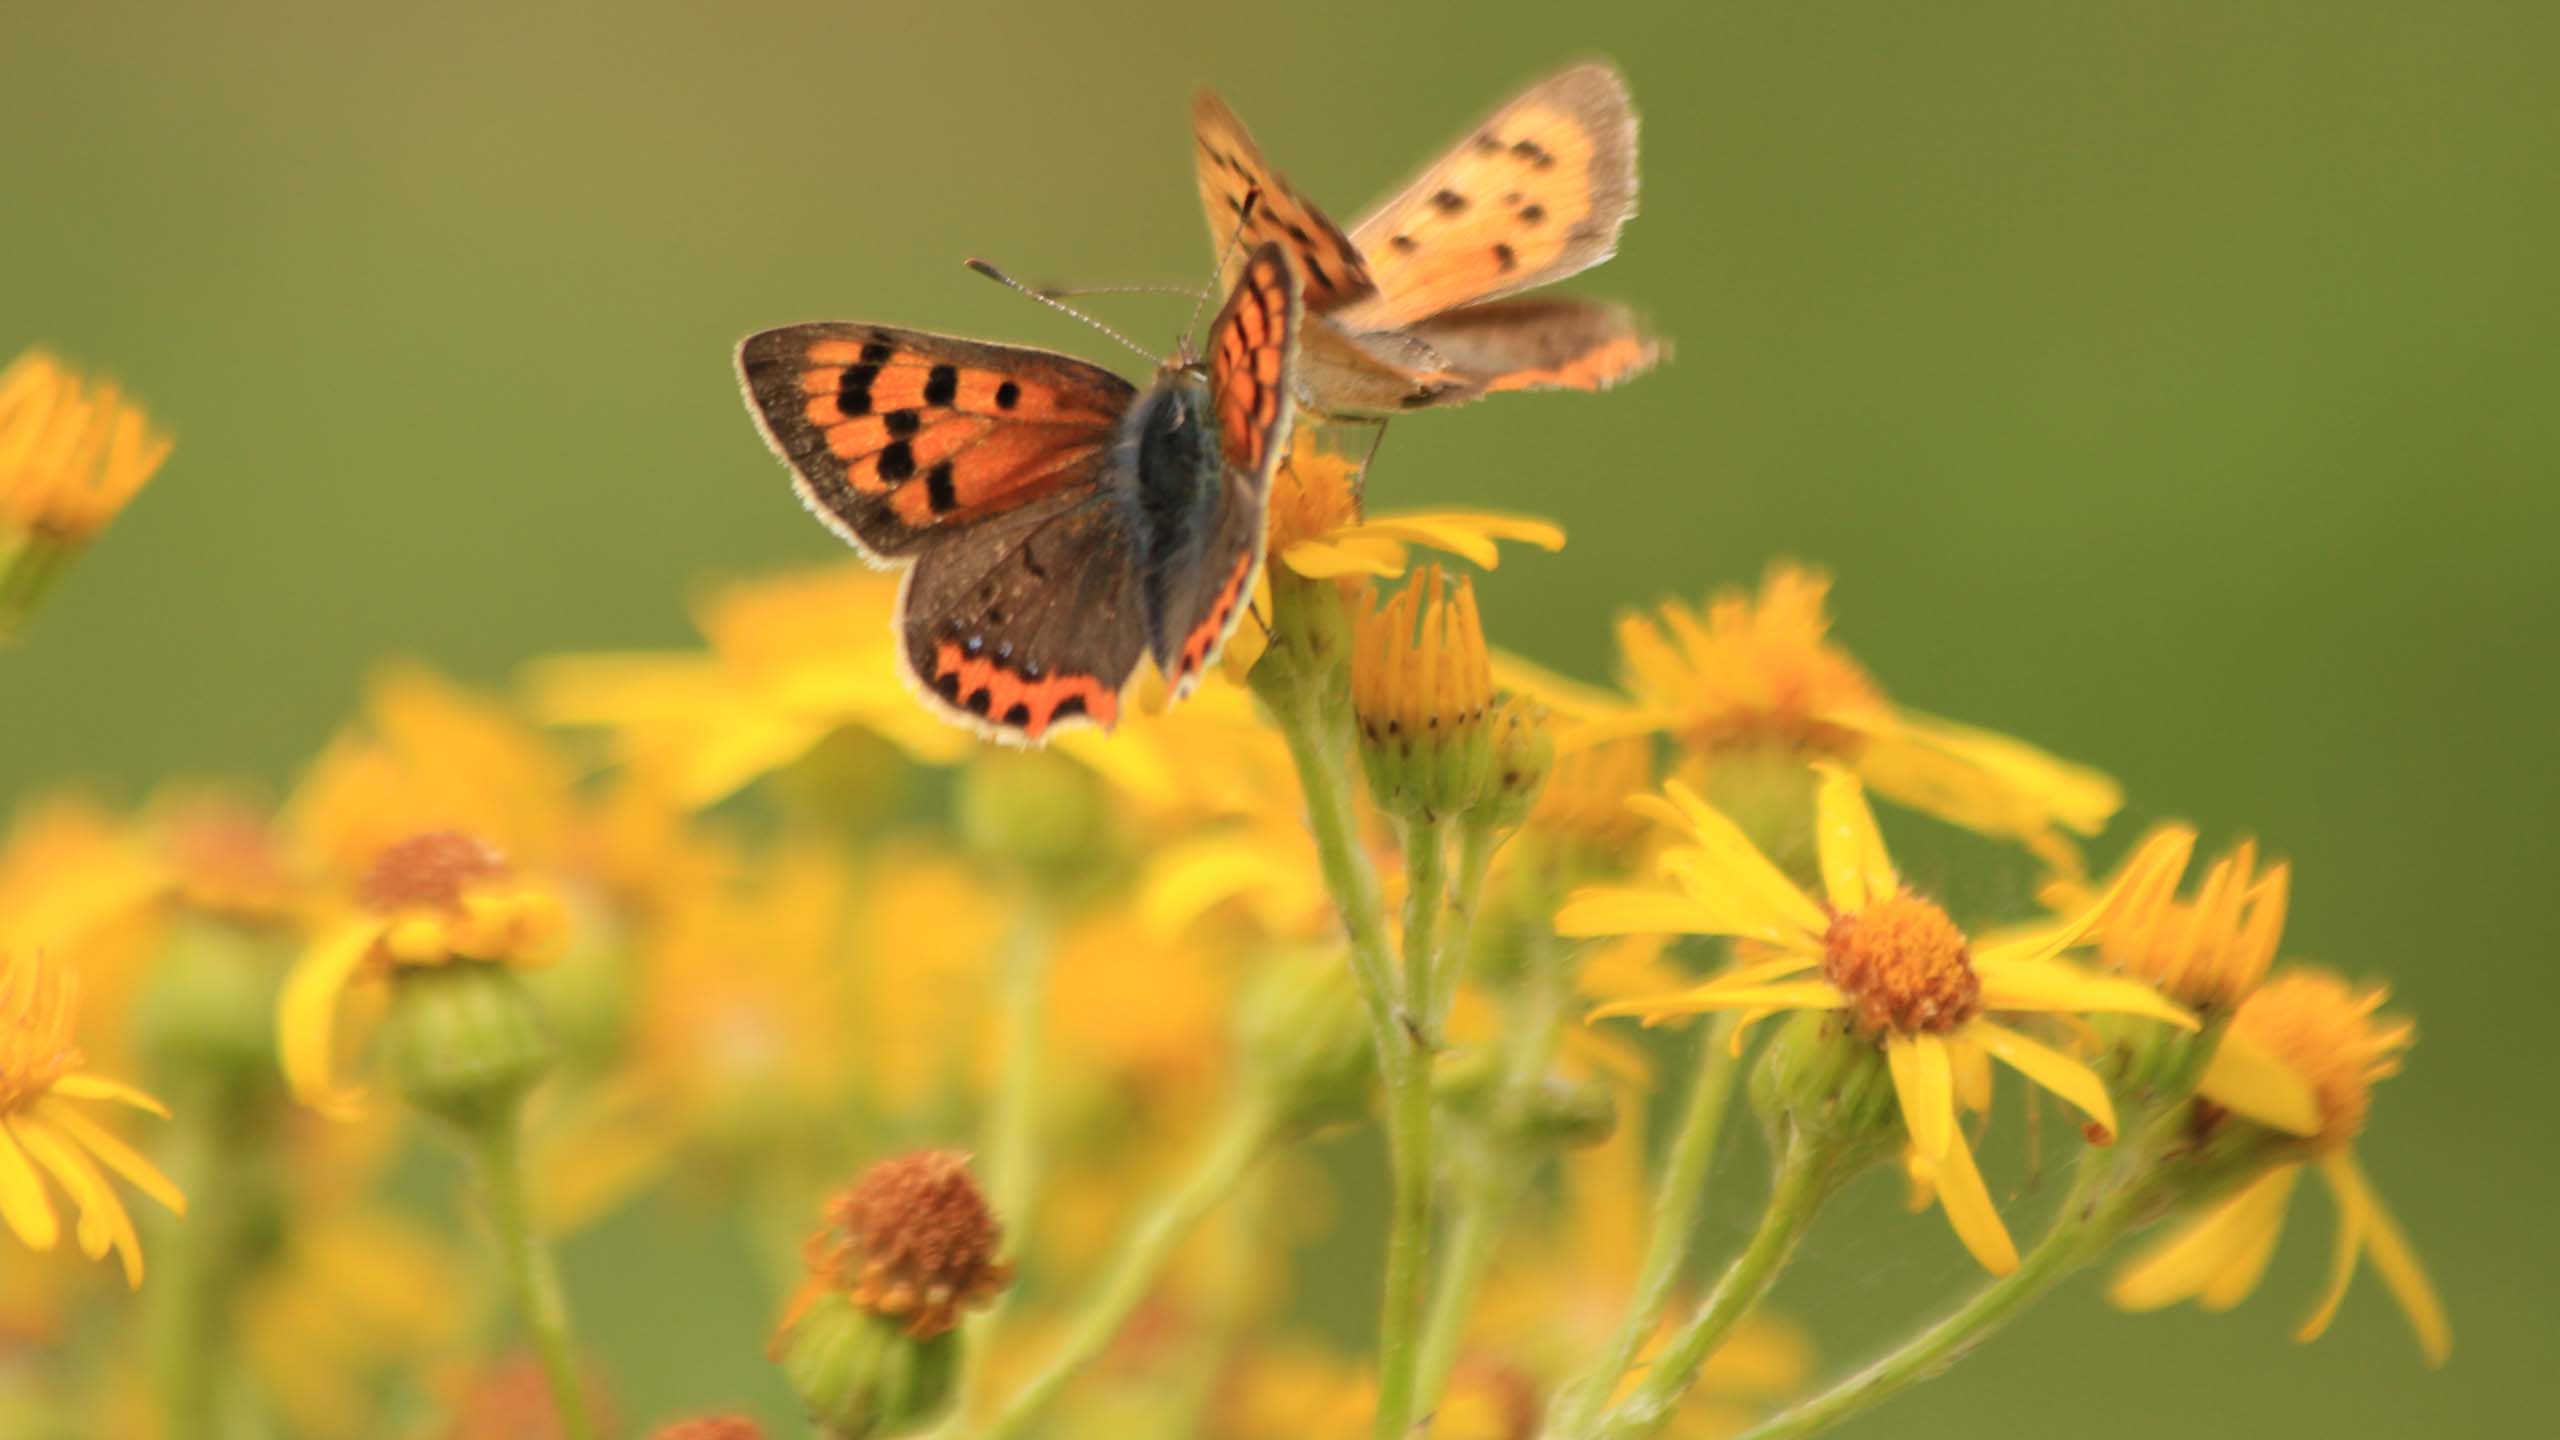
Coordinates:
(1903, 965)
(913, 1240)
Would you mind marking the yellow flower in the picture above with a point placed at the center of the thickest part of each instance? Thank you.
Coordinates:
(791, 660)
(43, 1134)
(1420, 689)
(71, 458)
(1755, 675)
(1891, 961)
(2331, 1034)
(433, 899)
(2209, 953)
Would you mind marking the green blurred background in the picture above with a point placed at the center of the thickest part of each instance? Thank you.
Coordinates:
(2171, 383)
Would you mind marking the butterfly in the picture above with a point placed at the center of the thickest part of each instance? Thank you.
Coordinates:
(1405, 311)
(1059, 522)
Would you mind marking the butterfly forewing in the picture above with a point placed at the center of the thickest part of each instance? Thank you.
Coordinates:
(1231, 171)
(896, 435)
(1535, 193)
(1252, 352)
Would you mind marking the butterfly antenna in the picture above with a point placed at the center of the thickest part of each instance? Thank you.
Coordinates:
(1001, 278)
(1227, 252)
(1064, 292)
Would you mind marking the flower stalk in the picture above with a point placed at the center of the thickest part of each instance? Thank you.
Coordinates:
(533, 1275)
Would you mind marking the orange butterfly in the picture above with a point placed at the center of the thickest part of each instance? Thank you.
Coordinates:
(1402, 313)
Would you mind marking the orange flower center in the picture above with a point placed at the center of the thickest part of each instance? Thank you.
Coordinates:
(430, 871)
(1903, 965)
(2330, 1034)
(913, 1239)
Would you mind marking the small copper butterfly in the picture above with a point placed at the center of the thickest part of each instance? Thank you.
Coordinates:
(1059, 523)
(1405, 310)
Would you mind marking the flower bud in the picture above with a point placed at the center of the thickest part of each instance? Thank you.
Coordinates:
(864, 1374)
(72, 457)
(1422, 687)
(464, 1042)
(1821, 1079)
(1524, 750)
(1034, 810)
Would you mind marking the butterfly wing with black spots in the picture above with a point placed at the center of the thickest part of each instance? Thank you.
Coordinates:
(897, 436)
(1202, 569)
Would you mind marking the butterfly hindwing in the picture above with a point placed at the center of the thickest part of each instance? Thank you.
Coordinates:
(1031, 621)
(895, 436)
(1205, 575)
(1231, 170)
(1537, 192)
(1530, 343)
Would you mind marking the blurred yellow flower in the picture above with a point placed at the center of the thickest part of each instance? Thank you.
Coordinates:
(2333, 1036)
(791, 660)
(1758, 674)
(437, 898)
(72, 456)
(43, 1134)
(1893, 962)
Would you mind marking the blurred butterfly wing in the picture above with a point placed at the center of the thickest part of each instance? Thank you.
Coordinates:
(1230, 168)
(1537, 192)
(1034, 624)
(896, 436)
(1206, 583)
(1556, 343)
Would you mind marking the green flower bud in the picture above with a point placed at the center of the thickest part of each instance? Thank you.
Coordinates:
(464, 1040)
(1820, 1079)
(1524, 750)
(863, 1374)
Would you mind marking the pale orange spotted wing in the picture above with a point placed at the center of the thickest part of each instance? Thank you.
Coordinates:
(1252, 357)
(1535, 193)
(1231, 171)
(895, 436)
(1525, 343)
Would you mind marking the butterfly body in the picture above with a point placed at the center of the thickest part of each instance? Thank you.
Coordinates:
(1061, 524)
(1407, 309)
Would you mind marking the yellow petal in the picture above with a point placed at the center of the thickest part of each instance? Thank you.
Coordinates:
(2187, 1259)
(1856, 872)
(23, 1202)
(2344, 1247)
(2393, 1257)
(2164, 850)
(1765, 970)
(2255, 1223)
(1467, 533)
(1730, 869)
(104, 1222)
(1924, 1082)
(1978, 779)
(1973, 1073)
(2049, 1068)
(307, 1015)
(1802, 995)
(1624, 910)
(2247, 1079)
(1968, 1207)
(82, 1085)
(1333, 559)
(116, 1155)
(2051, 985)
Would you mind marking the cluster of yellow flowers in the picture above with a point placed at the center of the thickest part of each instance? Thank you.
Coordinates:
(1022, 1067)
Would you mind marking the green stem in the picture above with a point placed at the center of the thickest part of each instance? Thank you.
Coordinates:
(533, 1276)
(1409, 1134)
(1476, 844)
(189, 1275)
(1483, 1207)
(1793, 1200)
(2082, 1232)
(1013, 1129)
(1677, 1202)
(1132, 1270)
(1345, 865)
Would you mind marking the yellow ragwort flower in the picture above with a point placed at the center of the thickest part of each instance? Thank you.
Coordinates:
(2209, 953)
(437, 898)
(1420, 688)
(791, 660)
(42, 1133)
(1891, 961)
(2333, 1035)
(914, 1241)
(1759, 673)
(71, 457)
